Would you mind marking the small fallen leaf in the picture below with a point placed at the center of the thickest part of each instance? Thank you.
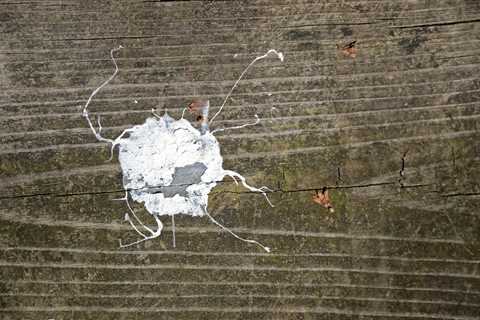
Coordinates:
(323, 199)
(197, 105)
(349, 49)
(199, 108)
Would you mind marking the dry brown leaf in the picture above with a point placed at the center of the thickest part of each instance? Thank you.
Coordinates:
(349, 49)
(197, 105)
(323, 199)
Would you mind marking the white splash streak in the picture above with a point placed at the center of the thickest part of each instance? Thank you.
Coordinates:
(257, 121)
(267, 249)
(173, 231)
(98, 135)
(261, 190)
(279, 55)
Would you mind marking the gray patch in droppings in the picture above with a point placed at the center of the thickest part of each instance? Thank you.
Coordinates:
(183, 177)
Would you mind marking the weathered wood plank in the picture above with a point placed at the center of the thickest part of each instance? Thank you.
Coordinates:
(397, 247)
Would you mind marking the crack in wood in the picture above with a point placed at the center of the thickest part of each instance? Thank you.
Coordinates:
(435, 24)
(278, 190)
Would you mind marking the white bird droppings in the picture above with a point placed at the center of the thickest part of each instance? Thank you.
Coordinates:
(170, 166)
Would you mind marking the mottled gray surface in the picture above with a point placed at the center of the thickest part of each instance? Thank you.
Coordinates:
(182, 178)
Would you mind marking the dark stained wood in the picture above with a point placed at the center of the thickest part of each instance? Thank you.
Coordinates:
(393, 133)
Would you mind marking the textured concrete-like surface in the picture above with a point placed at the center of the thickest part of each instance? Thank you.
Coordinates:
(399, 246)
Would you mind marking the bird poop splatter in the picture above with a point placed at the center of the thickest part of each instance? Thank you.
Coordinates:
(170, 166)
